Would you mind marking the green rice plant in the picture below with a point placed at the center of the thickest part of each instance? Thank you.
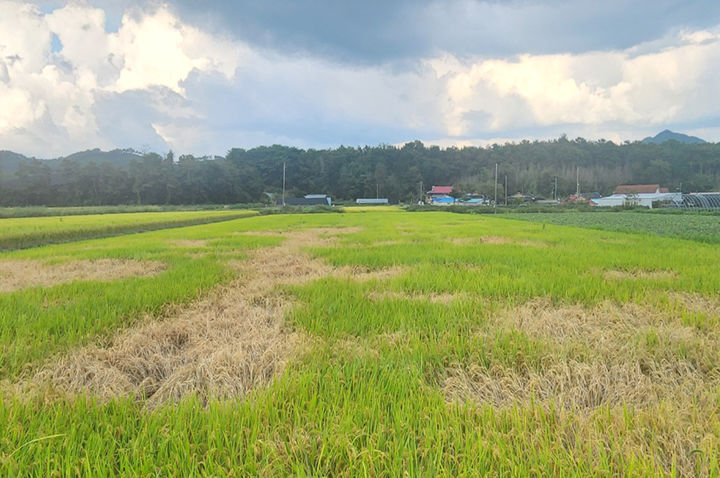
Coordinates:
(42, 211)
(20, 233)
(37, 322)
(424, 313)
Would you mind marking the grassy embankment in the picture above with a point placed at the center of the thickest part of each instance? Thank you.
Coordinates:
(489, 346)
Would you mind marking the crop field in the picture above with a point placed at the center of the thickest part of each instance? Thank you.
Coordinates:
(43, 211)
(16, 233)
(696, 227)
(381, 343)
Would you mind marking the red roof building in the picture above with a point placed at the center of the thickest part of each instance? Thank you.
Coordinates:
(640, 189)
(440, 190)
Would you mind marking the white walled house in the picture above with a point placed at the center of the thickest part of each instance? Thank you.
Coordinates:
(640, 199)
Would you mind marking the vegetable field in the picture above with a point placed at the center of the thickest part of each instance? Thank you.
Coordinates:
(696, 227)
(381, 343)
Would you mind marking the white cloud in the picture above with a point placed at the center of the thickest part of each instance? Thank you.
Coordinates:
(85, 43)
(676, 84)
(160, 81)
(39, 87)
(158, 50)
(24, 37)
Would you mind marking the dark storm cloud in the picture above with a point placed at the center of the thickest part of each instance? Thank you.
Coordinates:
(376, 31)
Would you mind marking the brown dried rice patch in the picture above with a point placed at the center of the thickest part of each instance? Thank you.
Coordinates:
(610, 330)
(638, 274)
(362, 274)
(259, 233)
(540, 317)
(578, 385)
(19, 274)
(671, 402)
(336, 231)
(531, 243)
(386, 243)
(696, 303)
(434, 298)
(375, 243)
(616, 366)
(496, 240)
(221, 346)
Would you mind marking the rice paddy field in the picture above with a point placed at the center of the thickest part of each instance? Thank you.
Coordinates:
(382, 343)
(23, 232)
(43, 211)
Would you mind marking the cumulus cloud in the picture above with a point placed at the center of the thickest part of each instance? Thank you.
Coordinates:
(677, 84)
(156, 81)
(71, 88)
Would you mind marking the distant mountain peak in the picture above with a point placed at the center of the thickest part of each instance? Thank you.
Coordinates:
(667, 135)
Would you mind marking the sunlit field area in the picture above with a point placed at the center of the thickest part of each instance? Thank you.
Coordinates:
(382, 343)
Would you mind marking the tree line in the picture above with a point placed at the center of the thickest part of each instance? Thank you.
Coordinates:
(399, 173)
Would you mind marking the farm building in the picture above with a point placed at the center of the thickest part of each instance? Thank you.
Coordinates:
(638, 199)
(440, 191)
(442, 200)
(307, 200)
(520, 197)
(440, 195)
(371, 201)
(583, 198)
(473, 200)
(644, 195)
(640, 189)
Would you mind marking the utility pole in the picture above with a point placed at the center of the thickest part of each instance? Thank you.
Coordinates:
(555, 190)
(283, 194)
(506, 189)
(377, 190)
(495, 202)
(577, 180)
(421, 192)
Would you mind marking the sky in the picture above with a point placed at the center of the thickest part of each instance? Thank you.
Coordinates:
(203, 77)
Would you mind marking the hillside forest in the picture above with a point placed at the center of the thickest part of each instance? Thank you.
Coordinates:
(399, 173)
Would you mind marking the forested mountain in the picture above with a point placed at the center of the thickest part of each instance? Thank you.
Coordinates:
(10, 161)
(399, 173)
(668, 135)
